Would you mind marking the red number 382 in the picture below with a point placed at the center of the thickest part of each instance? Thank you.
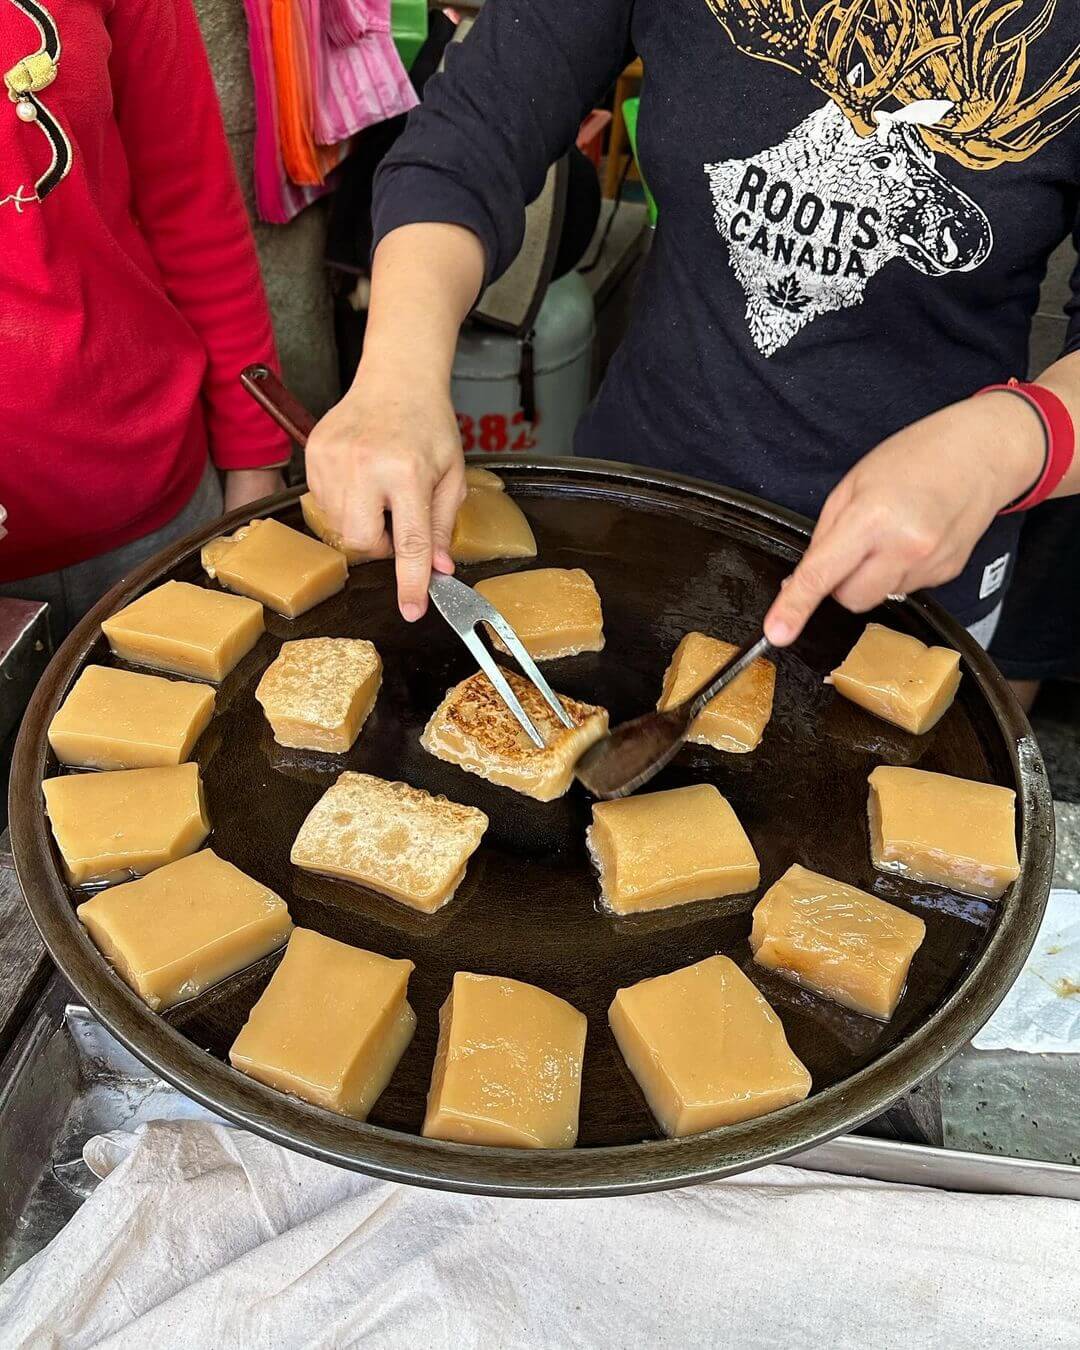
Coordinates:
(492, 432)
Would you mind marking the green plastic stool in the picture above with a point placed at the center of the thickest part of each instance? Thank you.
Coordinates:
(409, 26)
(630, 115)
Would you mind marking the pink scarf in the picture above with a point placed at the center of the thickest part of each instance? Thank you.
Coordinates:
(357, 76)
(277, 198)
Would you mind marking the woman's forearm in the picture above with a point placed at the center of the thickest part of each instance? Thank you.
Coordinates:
(191, 215)
(392, 444)
(909, 514)
(425, 279)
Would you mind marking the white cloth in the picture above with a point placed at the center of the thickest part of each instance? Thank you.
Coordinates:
(1041, 1012)
(203, 1236)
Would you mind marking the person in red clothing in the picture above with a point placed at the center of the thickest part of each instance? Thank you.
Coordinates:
(130, 298)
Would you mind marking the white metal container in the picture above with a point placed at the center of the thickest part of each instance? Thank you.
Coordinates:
(489, 383)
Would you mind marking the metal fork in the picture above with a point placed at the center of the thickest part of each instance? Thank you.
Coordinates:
(464, 610)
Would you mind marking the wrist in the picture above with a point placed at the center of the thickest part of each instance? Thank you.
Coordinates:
(417, 373)
(1015, 438)
(264, 473)
(250, 485)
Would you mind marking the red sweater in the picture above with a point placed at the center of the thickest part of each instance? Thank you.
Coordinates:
(130, 296)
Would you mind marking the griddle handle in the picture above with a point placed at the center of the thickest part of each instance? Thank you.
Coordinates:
(272, 396)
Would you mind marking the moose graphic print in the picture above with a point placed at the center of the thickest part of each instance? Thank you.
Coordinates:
(858, 184)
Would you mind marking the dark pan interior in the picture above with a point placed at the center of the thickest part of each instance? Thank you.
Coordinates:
(528, 906)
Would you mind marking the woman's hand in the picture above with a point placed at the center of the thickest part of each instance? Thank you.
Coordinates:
(910, 513)
(392, 445)
(249, 485)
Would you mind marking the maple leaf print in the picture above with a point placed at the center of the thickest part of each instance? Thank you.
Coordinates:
(787, 294)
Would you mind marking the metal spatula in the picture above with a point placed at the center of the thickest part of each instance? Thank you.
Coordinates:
(636, 751)
(461, 606)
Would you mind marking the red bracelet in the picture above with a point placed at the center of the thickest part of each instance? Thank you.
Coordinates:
(1060, 436)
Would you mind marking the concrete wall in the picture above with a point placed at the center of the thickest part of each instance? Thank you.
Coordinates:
(291, 255)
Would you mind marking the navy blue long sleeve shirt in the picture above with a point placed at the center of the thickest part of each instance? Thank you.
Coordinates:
(854, 218)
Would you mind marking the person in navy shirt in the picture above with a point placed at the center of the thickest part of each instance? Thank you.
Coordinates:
(856, 206)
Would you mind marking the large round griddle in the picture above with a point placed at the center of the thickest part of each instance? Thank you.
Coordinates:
(668, 555)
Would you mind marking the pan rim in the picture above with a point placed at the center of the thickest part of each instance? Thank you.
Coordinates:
(593, 1171)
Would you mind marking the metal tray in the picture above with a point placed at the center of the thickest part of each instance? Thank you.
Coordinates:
(668, 555)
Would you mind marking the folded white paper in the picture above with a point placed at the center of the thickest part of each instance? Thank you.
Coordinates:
(1041, 1012)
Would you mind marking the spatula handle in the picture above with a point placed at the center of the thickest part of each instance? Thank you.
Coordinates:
(272, 396)
(742, 660)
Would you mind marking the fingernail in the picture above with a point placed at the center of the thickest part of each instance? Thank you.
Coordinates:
(410, 612)
(780, 633)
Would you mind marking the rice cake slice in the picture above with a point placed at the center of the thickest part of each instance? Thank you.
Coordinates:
(489, 523)
(316, 521)
(705, 1048)
(947, 831)
(186, 629)
(287, 570)
(735, 719)
(185, 927)
(318, 692)
(660, 849)
(399, 840)
(837, 940)
(474, 729)
(476, 477)
(898, 678)
(112, 826)
(116, 719)
(555, 611)
(330, 1027)
(508, 1066)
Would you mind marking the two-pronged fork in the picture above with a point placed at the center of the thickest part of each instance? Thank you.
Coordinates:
(464, 610)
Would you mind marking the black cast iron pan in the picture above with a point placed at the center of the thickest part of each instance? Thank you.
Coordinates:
(668, 555)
